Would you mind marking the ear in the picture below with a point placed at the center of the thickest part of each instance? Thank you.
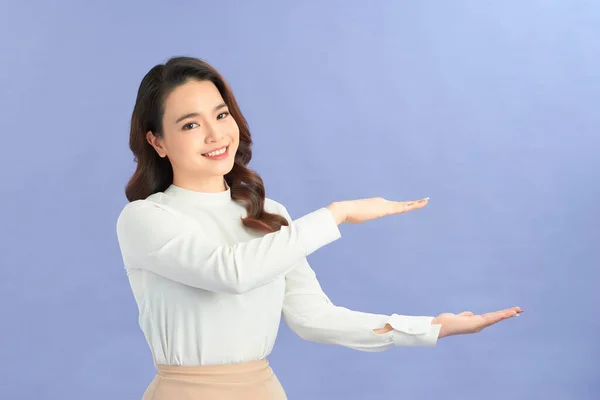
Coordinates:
(157, 143)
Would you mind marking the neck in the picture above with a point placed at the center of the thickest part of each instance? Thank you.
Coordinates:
(214, 184)
(201, 196)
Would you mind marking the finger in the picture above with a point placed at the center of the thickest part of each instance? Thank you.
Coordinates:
(466, 313)
(422, 202)
(492, 318)
(497, 316)
(505, 311)
(404, 206)
(512, 312)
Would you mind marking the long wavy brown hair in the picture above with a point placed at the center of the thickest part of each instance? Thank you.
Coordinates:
(154, 174)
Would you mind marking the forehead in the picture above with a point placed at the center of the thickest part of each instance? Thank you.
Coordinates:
(192, 96)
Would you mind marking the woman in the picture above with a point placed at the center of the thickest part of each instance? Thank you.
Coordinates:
(213, 264)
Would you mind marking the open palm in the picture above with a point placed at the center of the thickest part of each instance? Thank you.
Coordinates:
(466, 322)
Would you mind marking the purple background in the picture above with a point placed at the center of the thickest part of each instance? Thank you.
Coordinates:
(489, 108)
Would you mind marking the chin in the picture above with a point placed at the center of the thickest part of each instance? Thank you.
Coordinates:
(223, 170)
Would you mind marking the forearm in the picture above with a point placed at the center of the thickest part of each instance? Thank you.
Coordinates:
(387, 328)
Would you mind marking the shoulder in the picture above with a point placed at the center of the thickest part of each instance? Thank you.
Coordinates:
(272, 205)
(148, 210)
(150, 203)
(275, 207)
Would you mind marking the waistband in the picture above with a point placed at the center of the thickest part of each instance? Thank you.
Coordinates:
(242, 372)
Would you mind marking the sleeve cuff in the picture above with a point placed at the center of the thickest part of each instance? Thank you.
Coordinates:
(317, 229)
(414, 331)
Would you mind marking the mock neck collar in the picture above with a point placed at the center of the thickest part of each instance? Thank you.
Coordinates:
(200, 198)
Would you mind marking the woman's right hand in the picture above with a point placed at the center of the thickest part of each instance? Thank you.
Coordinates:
(359, 211)
(466, 322)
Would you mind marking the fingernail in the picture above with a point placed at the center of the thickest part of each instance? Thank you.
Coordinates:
(425, 199)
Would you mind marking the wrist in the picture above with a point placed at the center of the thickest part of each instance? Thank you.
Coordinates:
(338, 212)
(442, 332)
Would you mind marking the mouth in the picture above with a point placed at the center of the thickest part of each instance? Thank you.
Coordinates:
(217, 154)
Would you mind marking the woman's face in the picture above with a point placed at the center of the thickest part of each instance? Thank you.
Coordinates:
(200, 137)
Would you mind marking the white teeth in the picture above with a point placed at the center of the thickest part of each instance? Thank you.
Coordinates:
(216, 152)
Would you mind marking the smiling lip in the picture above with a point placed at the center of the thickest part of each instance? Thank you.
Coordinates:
(220, 156)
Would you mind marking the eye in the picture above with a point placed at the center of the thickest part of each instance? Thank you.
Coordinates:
(223, 115)
(186, 127)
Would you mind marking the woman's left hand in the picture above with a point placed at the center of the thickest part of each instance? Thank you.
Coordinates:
(466, 322)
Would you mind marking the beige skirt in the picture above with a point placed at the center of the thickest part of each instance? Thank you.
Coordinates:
(252, 380)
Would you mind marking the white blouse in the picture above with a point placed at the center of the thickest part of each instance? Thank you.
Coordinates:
(211, 291)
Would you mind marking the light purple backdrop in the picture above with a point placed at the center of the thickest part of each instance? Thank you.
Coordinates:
(489, 108)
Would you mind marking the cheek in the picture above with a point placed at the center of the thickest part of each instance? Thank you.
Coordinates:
(185, 148)
(234, 129)
(235, 136)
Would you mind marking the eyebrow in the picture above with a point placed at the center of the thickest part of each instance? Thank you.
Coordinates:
(195, 114)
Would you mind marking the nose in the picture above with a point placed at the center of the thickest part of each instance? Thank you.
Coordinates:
(213, 133)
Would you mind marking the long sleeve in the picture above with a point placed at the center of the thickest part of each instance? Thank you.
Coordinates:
(309, 312)
(154, 238)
